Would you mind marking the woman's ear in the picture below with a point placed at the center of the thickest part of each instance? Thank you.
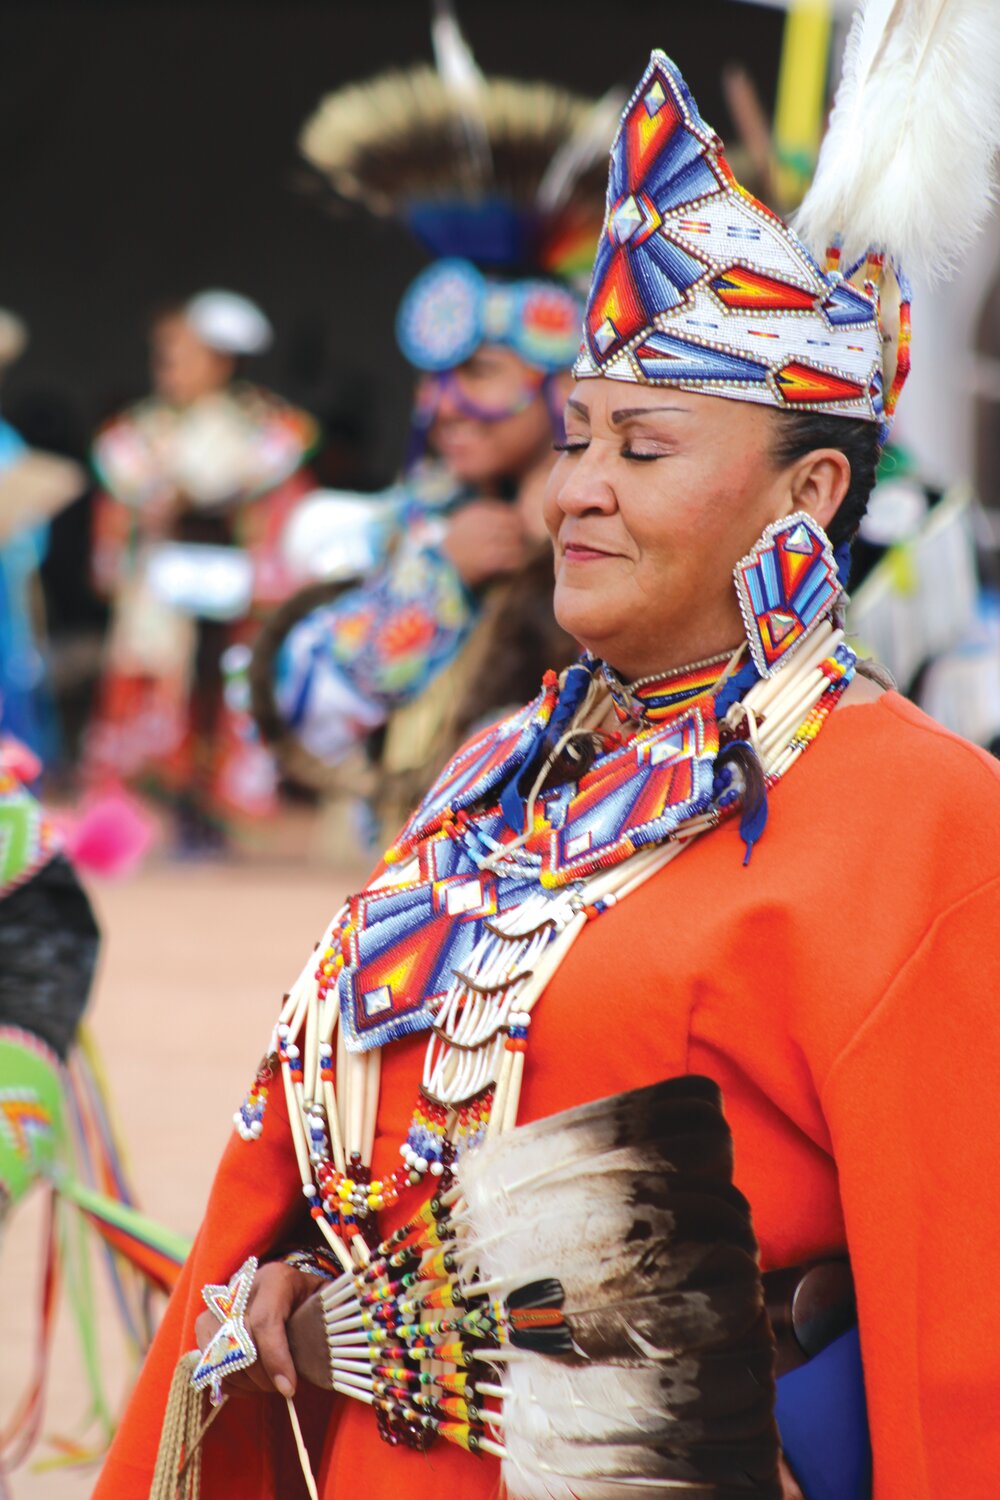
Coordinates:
(819, 482)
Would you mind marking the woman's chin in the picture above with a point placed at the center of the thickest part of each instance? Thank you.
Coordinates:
(583, 616)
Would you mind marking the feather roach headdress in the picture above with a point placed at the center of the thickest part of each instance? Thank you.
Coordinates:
(491, 175)
(585, 1304)
(507, 174)
(698, 285)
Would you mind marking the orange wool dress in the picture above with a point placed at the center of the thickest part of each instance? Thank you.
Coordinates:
(843, 991)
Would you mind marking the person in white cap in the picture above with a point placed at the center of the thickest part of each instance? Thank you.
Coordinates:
(198, 480)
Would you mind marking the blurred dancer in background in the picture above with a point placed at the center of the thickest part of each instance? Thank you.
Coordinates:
(501, 182)
(57, 1133)
(33, 487)
(198, 480)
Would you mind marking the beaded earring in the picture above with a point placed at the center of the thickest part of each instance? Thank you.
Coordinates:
(787, 584)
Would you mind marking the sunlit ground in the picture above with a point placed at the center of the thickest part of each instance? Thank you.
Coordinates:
(196, 958)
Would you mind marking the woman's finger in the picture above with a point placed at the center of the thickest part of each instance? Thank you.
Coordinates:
(205, 1329)
(274, 1358)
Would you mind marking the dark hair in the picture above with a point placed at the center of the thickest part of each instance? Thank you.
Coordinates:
(800, 432)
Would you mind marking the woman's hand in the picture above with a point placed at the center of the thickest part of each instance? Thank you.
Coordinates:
(276, 1292)
(484, 539)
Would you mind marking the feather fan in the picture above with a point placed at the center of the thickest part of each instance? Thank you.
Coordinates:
(907, 166)
(629, 1202)
(603, 1264)
(397, 141)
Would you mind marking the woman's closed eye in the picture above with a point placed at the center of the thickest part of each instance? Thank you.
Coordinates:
(628, 452)
(643, 457)
(641, 454)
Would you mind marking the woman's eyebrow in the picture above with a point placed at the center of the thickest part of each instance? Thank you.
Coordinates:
(579, 408)
(645, 411)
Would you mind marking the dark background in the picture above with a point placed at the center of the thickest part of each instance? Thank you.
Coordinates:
(148, 151)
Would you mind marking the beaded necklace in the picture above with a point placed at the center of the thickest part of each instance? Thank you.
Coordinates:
(652, 699)
(480, 1025)
(413, 1348)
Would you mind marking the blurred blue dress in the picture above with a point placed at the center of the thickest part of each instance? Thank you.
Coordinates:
(26, 706)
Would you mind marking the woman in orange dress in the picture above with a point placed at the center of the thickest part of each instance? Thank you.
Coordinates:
(715, 847)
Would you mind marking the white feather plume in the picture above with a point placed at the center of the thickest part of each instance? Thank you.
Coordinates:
(557, 1426)
(547, 1403)
(452, 53)
(464, 80)
(908, 163)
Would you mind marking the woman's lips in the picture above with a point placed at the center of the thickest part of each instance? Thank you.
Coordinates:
(580, 552)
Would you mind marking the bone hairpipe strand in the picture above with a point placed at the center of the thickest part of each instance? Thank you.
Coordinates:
(370, 1104)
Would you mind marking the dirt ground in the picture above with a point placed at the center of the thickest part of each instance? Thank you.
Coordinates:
(195, 961)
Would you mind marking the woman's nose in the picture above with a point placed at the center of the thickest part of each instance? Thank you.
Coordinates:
(582, 486)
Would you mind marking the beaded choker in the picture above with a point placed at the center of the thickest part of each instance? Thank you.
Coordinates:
(661, 695)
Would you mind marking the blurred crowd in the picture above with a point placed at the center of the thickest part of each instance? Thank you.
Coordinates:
(198, 616)
(205, 530)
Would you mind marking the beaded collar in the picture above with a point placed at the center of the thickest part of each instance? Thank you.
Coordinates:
(466, 936)
(660, 696)
(465, 868)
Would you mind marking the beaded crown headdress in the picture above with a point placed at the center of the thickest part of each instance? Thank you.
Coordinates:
(698, 285)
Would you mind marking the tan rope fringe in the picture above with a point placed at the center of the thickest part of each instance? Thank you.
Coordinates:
(178, 1462)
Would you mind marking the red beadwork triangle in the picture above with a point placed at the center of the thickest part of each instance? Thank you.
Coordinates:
(648, 128)
(617, 304)
(739, 287)
(799, 382)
